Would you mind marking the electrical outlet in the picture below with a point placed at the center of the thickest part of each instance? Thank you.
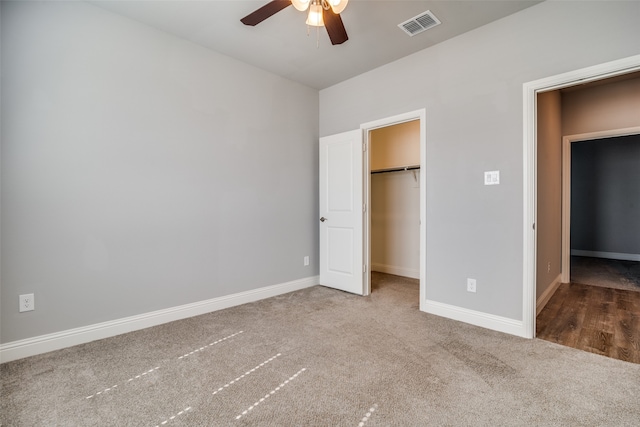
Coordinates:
(471, 285)
(306, 261)
(27, 302)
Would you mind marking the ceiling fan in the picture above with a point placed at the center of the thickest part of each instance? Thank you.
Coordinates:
(322, 13)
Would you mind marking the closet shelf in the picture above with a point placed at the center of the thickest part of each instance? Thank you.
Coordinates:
(400, 169)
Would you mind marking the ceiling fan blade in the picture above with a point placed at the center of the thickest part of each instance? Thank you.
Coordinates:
(335, 27)
(265, 12)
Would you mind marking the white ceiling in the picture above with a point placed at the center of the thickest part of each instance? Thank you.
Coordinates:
(281, 45)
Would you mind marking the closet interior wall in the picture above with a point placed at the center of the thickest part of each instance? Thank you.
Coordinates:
(395, 199)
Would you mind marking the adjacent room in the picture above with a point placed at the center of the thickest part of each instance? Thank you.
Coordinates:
(588, 200)
(311, 212)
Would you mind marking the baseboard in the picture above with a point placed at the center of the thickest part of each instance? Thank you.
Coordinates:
(58, 340)
(547, 294)
(477, 318)
(398, 271)
(607, 255)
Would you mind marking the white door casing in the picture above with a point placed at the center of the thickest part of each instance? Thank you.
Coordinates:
(341, 212)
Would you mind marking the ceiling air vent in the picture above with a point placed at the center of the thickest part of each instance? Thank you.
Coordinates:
(419, 23)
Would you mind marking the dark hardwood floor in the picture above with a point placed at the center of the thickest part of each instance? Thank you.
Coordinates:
(600, 320)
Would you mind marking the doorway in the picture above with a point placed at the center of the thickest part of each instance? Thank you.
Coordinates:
(395, 201)
(345, 207)
(533, 263)
(394, 158)
(600, 185)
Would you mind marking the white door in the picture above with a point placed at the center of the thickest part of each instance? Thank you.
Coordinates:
(341, 212)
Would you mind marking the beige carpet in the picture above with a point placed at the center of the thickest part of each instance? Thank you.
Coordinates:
(320, 357)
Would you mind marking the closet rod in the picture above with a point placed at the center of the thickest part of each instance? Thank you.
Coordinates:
(406, 168)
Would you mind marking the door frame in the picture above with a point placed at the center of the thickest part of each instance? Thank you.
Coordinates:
(530, 91)
(566, 187)
(366, 128)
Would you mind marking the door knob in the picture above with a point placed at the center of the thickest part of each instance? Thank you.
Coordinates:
(323, 219)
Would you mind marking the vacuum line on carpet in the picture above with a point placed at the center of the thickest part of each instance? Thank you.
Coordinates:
(368, 415)
(128, 381)
(173, 417)
(157, 367)
(249, 372)
(209, 345)
(272, 392)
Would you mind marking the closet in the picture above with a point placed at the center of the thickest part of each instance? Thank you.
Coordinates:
(395, 199)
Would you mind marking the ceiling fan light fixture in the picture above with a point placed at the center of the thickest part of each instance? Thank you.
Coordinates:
(315, 16)
(338, 5)
(301, 5)
(322, 13)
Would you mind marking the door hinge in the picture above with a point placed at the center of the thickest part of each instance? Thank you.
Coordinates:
(364, 146)
(534, 225)
(364, 268)
(364, 207)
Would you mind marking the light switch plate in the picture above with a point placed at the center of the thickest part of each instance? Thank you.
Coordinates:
(492, 178)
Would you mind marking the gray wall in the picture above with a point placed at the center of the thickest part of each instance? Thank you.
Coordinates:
(471, 87)
(141, 171)
(605, 195)
(549, 191)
